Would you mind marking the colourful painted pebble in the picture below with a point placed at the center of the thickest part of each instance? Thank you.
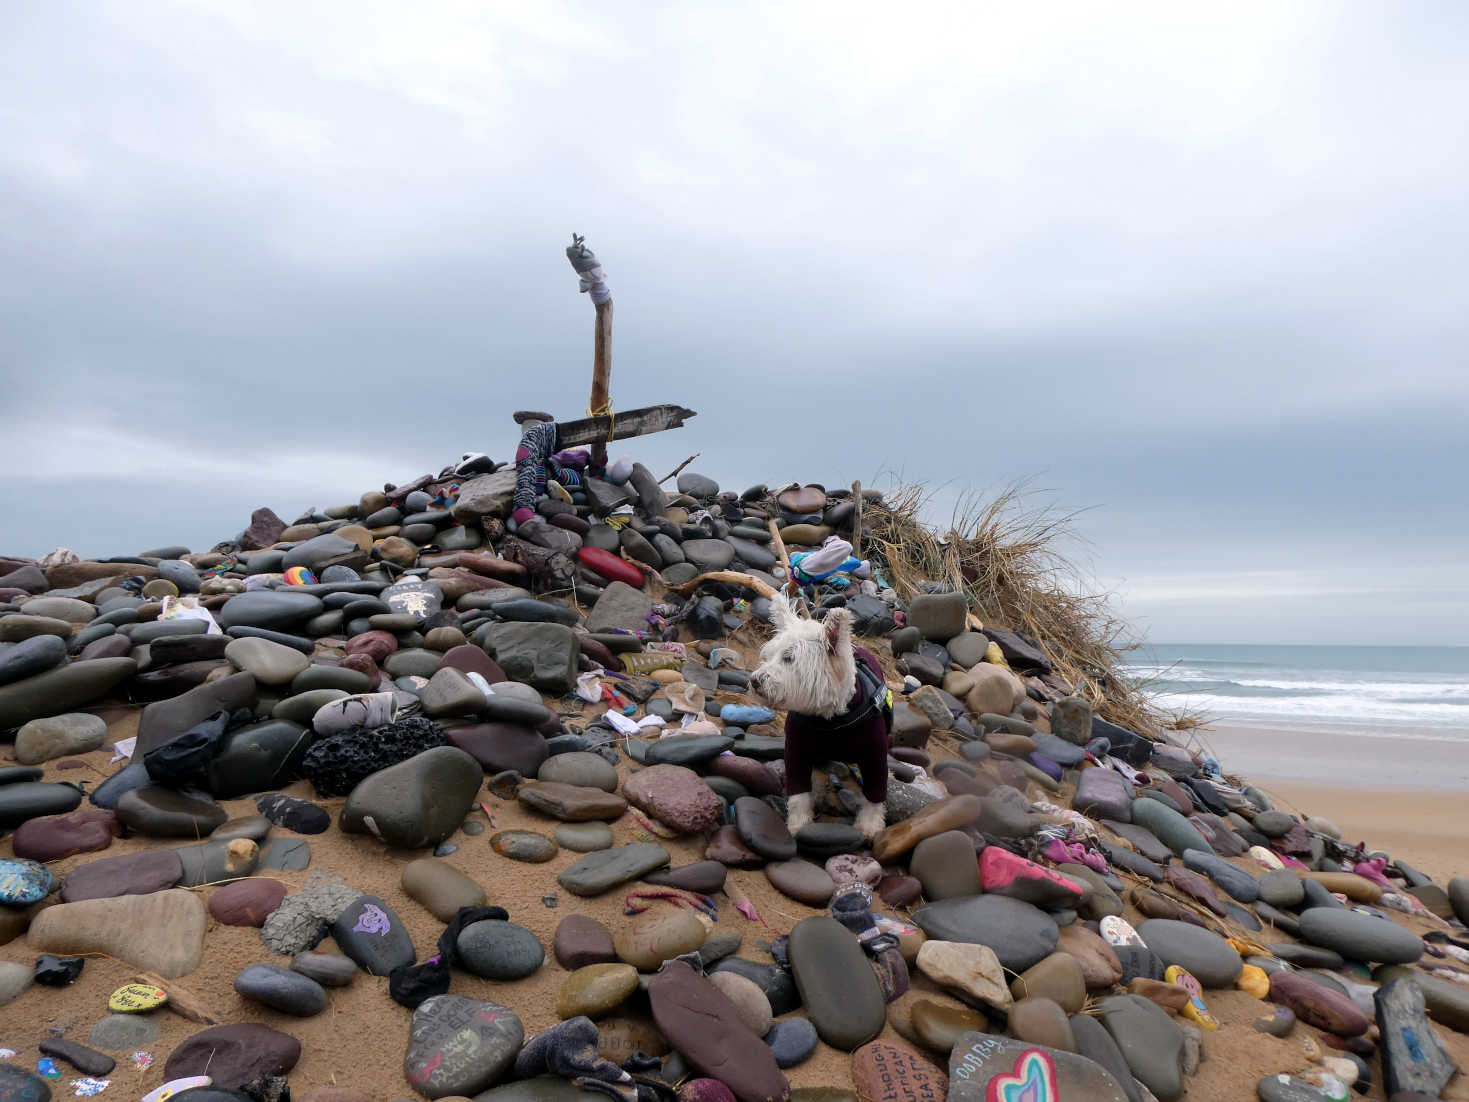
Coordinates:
(134, 998)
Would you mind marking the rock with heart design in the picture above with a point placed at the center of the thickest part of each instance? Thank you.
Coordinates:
(985, 1067)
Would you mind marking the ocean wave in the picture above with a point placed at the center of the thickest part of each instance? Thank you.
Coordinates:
(1449, 720)
(1245, 691)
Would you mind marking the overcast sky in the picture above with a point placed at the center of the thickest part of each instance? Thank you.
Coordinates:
(1200, 272)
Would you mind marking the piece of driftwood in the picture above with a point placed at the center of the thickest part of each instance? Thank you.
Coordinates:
(857, 519)
(181, 1000)
(624, 426)
(730, 577)
(680, 467)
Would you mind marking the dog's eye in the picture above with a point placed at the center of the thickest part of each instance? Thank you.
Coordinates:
(789, 659)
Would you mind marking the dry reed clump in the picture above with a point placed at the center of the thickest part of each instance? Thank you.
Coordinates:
(1006, 556)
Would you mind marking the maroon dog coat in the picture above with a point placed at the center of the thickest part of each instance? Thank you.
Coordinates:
(859, 735)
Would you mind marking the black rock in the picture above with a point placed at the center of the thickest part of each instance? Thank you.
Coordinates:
(335, 765)
(125, 779)
(58, 971)
(86, 1060)
(370, 933)
(257, 757)
(31, 656)
(32, 799)
(292, 813)
(281, 989)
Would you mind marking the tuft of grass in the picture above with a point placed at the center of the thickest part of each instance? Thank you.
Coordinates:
(1006, 554)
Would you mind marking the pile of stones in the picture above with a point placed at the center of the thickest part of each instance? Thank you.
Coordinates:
(1052, 902)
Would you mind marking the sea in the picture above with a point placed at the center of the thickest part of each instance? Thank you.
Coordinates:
(1420, 692)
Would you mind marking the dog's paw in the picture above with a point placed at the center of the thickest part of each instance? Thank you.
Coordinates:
(798, 813)
(871, 820)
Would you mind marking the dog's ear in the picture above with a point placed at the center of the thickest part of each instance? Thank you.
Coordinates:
(782, 615)
(838, 624)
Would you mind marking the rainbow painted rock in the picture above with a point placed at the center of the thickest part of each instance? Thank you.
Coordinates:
(985, 1067)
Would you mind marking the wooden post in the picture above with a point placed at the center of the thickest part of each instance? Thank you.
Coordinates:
(857, 520)
(601, 372)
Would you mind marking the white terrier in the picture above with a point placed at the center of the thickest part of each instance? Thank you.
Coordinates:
(837, 706)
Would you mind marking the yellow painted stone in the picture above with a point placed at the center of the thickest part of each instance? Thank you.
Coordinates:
(994, 654)
(133, 998)
(1253, 981)
(1194, 1010)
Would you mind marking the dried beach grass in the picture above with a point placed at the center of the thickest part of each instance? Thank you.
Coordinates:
(1006, 555)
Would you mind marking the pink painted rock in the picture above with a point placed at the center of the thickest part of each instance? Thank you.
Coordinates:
(1005, 873)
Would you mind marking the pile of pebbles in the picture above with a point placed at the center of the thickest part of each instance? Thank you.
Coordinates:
(1050, 907)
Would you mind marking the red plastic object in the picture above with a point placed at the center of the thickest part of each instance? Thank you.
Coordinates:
(610, 566)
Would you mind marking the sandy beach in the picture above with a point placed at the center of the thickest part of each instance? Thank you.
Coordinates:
(1403, 795)
(357, 1041)
(1337, 759)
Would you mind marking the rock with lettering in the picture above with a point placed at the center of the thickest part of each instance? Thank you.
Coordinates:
(371, 934)
(460, 1046)
(984, 1066)
(658, 935)
(886, 1072)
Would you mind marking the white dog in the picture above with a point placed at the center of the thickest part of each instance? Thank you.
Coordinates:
(837, 706)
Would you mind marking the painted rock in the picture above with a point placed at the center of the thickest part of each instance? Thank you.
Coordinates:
(1009, 874)
(985, 1067)
(886, 1072)
(134, 998)
(371, 934)
(649, 939)
(460, 1046)
(23, 882)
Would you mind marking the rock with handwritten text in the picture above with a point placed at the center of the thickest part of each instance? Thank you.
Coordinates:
(885, 1072)
(460, 1046)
